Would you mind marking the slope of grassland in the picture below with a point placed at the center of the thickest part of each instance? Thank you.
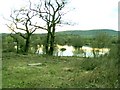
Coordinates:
(58, 72)
(89, 33)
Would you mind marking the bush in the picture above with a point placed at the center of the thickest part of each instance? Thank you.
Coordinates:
(89, 64)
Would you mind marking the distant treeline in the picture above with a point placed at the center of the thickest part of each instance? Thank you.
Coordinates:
(99, 39)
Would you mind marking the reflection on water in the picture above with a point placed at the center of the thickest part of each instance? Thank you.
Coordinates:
(64, 50)
(84, 51)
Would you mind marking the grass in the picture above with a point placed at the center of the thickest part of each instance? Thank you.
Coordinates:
(58, 72)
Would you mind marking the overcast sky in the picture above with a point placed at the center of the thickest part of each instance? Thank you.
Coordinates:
(88, 14)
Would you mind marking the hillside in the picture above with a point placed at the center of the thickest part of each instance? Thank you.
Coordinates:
(82, 33)
(89, 33)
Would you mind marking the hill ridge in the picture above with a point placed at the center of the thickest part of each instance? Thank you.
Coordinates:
(89, 33)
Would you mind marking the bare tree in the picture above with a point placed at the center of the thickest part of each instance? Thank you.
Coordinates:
(51, 12)
(21, 20)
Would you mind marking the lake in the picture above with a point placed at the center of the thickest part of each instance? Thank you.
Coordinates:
(84, 51)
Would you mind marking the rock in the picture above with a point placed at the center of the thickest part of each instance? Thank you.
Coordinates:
(68, 69)
(35, 64)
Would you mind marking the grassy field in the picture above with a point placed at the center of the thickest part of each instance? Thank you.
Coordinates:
(58, 72)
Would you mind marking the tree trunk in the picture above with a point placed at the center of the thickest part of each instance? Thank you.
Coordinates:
(27, 44)
(52, 41)
(17, 46)
(94, 53)
(51, 46)
(47, 43)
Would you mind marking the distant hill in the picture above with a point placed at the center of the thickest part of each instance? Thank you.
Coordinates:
(82, 33)
(88, 33)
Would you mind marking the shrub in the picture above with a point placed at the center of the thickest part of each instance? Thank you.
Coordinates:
(89, 64)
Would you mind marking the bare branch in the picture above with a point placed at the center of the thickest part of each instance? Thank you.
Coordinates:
(34, 30)
(15, 31)
(39, 27)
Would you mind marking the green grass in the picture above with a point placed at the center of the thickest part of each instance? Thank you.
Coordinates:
(58, 72)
